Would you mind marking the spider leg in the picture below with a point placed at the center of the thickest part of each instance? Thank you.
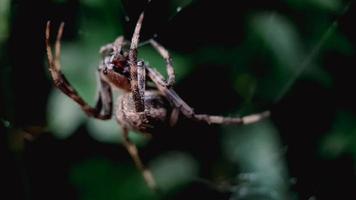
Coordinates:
(106, 50)
(116, 46)
(135, 69)
(215, 119)
(104, 102)
(132, 149)
(169, 66)
(179, 103)
(119, 43)
(174, 117)
(169, 93)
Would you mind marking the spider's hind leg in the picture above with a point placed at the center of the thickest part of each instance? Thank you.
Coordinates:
(215, 119)
(132, 149)
(188, 111)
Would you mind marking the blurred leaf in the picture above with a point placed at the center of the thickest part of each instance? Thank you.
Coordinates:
(331, 5)
(341, 138)
(4, 13)
(288, 60)
(245, 85)
(81, 73)
(102, 179)
(104, 131)
(63, 115)
(334, 144)
(280, 38)
(93, 3)
(173, 169)
(101, 21)
(318, 74)
(341, 43)
(256, 150)
(327, 5)
(110, 131)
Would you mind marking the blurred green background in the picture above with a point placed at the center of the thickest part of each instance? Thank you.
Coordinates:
(293, 57)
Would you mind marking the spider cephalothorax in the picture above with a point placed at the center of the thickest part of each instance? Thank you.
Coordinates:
(140, 108)
(114, 67)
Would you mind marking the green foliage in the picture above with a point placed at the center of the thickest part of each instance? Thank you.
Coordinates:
(64, 116)
(342, 137)
(103, 179)
(327, 5)
(279, 38)
(4, 9)
(256, 150)
(173, 170)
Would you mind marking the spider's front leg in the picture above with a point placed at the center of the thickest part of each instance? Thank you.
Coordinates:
(169, 65)
(136, 70)
(115, 47)
(103, 108)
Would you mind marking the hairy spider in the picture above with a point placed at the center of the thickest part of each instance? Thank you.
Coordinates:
(140, 109)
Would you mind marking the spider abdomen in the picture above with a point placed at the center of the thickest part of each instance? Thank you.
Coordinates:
(154, 117)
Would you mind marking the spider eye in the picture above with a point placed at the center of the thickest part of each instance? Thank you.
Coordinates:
(118, 61)
(118, 65)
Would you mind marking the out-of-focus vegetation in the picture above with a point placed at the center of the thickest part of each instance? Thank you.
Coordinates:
(292, 57)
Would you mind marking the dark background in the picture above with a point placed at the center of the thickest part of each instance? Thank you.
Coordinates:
(294, 58)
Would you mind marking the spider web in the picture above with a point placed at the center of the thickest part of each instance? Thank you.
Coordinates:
(164, 18)
(164, 12)
(308, 59)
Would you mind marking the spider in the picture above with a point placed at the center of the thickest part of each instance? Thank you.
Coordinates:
(141, 107)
